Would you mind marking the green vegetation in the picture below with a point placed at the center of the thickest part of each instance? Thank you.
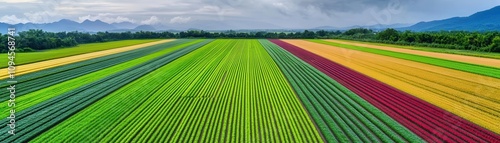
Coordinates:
(66, 85)
(25, 58)
(341, 115)
(234, 94)
(472, 68)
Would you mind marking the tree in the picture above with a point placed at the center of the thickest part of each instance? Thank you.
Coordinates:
(407, 36)
(495, 45)
(355, 31)
(388, 35)
(322, 33)
(3, 40)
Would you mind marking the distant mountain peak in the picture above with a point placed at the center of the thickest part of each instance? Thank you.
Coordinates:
(145, 28)
(124, 25)
(86, 21)
(65, 20)
(99, 21)
(124, 22)
(95, 21)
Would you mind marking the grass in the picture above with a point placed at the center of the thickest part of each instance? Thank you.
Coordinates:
(438, 50)
(466, 67)
(31, 57)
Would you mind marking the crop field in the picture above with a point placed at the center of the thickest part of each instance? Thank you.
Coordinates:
(249, 90)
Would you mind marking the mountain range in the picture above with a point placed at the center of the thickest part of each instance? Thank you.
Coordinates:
(487, 20)
(68, 25)
(98, 25)
(374, 27)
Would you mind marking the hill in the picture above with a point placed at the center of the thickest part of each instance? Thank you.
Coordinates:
(488, 20)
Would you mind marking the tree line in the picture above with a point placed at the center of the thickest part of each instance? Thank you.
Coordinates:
(35, 40)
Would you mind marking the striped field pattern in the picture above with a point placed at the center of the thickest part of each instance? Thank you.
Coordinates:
(249, 90)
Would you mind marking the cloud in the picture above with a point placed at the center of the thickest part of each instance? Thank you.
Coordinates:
(41, 17)
(151, 21)
(208, 9)
(282, 8)
(106, 17)
(354, 6)
(12, 19)
(19, 1)
(286, 13)
(180, 19)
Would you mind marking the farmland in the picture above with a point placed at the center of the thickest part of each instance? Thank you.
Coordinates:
(227, 90)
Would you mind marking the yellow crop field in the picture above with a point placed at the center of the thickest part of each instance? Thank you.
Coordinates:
(473, 97)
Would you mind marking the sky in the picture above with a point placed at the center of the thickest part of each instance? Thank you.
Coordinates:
(280, 13)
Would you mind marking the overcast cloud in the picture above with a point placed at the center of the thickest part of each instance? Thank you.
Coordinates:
(284, 13)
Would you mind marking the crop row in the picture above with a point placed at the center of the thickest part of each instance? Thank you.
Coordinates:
(43, 116)
(341, 115)
(424, 119)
